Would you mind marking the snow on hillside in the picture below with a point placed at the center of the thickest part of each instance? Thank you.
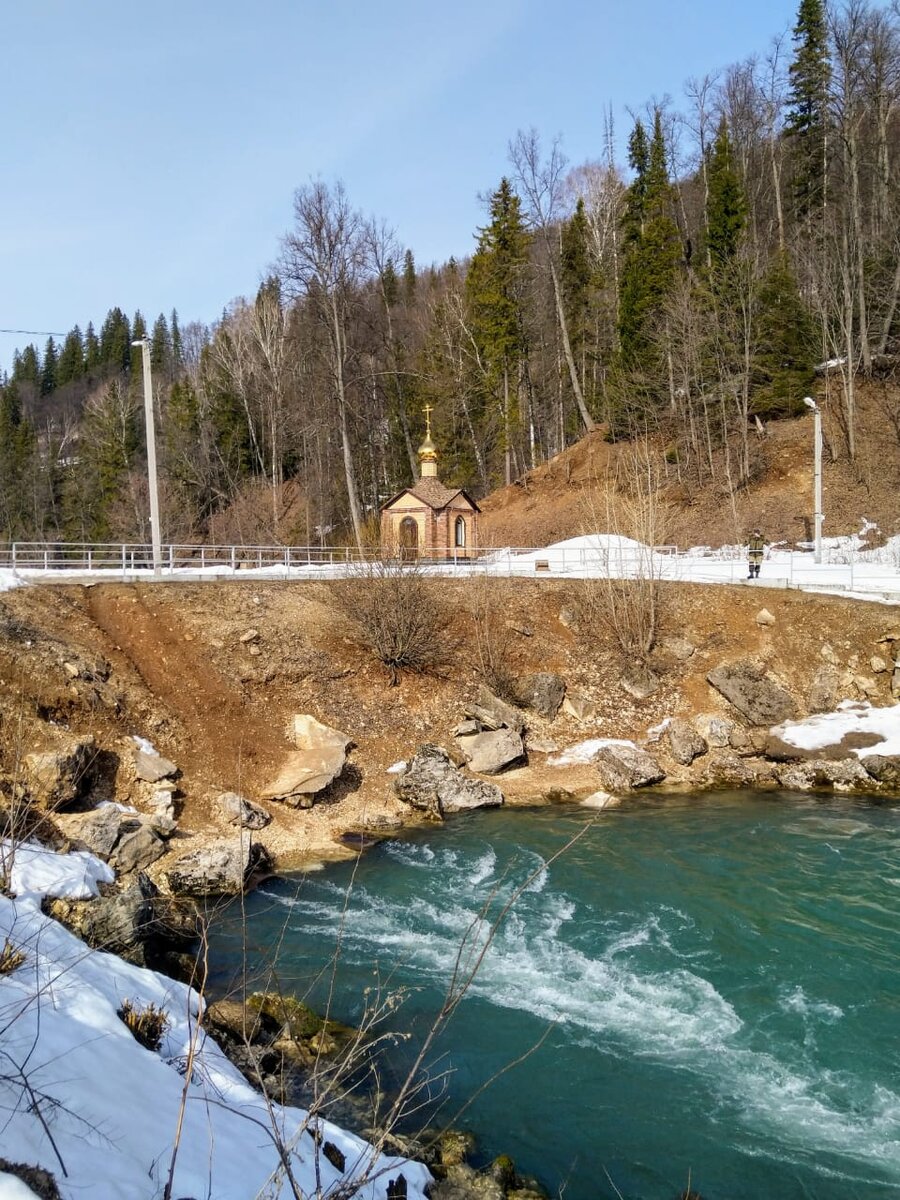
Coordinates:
(852, 716)
(83, 1099)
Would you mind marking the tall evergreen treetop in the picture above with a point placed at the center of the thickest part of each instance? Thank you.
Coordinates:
(727, 207)
(807, 120)
(48, 370)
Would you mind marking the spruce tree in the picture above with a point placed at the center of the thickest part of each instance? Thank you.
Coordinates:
(91, 349)
(652, 244)
(808, 120)
(409, 278)
(786, 345)
(71, 359)
(177, 345)
(494, 297)
(390, 285)
(17, 452)
(48, 369)
(115, 341)
(161, 346)
(577, 280)
(727, 206)
(27, 367)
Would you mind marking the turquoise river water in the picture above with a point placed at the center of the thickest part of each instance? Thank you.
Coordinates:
(716, 980)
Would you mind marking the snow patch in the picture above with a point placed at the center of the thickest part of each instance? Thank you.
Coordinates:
(583, 752)
(852, 716)
(30, 869)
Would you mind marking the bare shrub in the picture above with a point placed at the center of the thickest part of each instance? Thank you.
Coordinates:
(148, 1025)
(11, 958)
(491, 636)
(626, 597)
(395, 611)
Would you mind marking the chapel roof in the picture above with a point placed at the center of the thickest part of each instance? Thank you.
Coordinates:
(433, 493)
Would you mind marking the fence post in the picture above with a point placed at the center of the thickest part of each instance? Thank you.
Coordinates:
(171, 558)
(14, 555)
(124, 567)
(233, 560)
(202, 558)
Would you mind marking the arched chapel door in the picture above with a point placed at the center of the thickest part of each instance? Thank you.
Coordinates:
(409, 540)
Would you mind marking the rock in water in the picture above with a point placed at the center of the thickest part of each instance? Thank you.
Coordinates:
(623, 767)
(434, 785)
(223, 868)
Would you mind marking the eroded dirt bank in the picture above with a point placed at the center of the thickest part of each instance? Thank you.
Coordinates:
(213, 674)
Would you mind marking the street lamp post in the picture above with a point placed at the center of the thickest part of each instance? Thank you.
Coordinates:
(817, 473)
(150, 427)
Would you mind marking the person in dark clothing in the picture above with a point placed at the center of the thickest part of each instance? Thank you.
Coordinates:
(755, 547)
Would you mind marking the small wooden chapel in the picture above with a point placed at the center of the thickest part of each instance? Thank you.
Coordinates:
(429, 520)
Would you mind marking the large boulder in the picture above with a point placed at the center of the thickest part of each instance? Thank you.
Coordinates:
(304, 773)
(685, 743)
(101, 828)
(491, 752)
(493, 713)
(60, 776)
(843, 775)
(883, 767)
(623, 766)
(319, 759)
(544, 692)
(434, 785)
(310, 734)
(137, 848)
(825, 690)
(222, 868)
(152, 767)
(243, 812)
(724, 768)
(758, 697)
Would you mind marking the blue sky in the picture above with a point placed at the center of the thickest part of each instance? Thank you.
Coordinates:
(152, 151)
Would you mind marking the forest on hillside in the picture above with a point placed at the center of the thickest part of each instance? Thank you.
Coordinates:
(754, 235)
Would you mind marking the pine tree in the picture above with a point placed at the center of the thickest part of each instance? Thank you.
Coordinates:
(494, 297)
(91, 349)
(390, 285)
(136, 353)
(27, 367)
(786, 345)
(727, 206)
(115, 341)
(17, 450)
(652, 244)
(48, 370)
(577, 279)
(807, 120)
(161, 346)
(71, 359)
(177, 346)
(409, 278)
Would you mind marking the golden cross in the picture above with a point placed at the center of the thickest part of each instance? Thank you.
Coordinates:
(428, 410)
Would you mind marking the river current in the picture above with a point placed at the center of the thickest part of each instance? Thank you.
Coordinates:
(715, 979)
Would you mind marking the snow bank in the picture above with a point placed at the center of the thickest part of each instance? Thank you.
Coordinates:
(30, 869)
(9, 580)
(112, 1106)
(852, 716)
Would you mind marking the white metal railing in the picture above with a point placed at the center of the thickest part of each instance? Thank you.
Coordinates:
(845, 568)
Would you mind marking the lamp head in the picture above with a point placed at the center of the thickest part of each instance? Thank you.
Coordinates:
(139, 342)
(810, 403)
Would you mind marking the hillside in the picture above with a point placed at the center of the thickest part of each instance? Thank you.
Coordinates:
(566, 496)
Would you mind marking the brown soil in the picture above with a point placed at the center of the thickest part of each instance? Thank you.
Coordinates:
(180, 675)
(566, 496)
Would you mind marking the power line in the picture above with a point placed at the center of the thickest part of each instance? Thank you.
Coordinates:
(36, 332)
